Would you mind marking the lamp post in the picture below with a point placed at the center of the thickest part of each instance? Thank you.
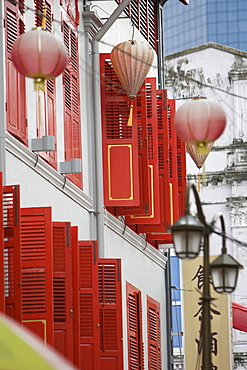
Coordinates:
(189, 234)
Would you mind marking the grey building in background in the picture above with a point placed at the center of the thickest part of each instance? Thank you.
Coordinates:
(202, 21)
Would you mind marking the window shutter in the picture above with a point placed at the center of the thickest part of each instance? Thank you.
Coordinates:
(134, 322)
(110, 312)
(144, 179)
(72, 122)
(153, 216)
(36, 270)
(75, 295)
(89, 306)
(181, 164)
(62, 289)
(176, 176)
(164, 189)
(12, 251)
(120, 142)
(143, 14)
(154, 347)
(16, 114)
(2, 272)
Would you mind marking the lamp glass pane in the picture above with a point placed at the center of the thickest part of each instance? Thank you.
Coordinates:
(187, 243)
(224, 279)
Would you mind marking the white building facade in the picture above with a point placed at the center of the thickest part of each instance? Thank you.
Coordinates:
(218, 73)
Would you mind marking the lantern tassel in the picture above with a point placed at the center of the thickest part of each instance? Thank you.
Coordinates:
(199, 182)
(39, 84)
(130, 116)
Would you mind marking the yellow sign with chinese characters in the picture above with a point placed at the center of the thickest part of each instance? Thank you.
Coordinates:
(220, 320)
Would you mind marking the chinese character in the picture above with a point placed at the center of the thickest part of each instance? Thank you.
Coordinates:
(199, 312)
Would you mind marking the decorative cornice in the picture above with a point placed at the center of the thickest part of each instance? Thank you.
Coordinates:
(136, 240)
(92, 23)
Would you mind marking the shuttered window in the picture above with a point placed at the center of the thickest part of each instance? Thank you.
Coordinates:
(134, 322)
(110, 313)
(120, 142)
(62, 289)
(153, 323)
(36, 271)
(143, 14)
(72, 122)
(89, 306)
(12, 251)
(16, 112)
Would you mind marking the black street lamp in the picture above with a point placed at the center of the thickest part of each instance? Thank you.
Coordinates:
(189, 235)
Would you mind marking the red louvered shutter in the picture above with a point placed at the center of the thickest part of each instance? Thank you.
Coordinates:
(120, 142)
(2, 272)
(177, 175)
(165, 204)
(89, 306)
(153, 215)
(62, 289)
(36, 270)
(134, 322)
(12, 251)
(181, 165)
(154, 346)
(110, 313)
(16, 114)
(72, 121)
(75, 295)
(144, 179)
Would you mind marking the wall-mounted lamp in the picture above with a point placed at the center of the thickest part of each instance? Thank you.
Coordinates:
(72, 166)
(44, 144)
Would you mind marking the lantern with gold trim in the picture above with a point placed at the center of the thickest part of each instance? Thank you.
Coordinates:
(40, 55)
(132, 61)
(200, 122)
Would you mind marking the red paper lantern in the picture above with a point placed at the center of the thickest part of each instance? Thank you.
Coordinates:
(39, 54)
(200, 122)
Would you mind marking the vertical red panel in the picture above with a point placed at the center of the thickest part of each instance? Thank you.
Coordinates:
(12, 251)
(2, 274)
(37, 271)
(16, 114)
(134, 322)
(144, 179)
(89, 306)
(72, 121)
(120, 142)
(154, 345)
(153, 215)
(110, 313)
(181, 165)
(75, 295)
(62, 289)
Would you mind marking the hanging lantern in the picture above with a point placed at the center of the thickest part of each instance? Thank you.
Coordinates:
(131, 61)
(200, 122)
(40, 55)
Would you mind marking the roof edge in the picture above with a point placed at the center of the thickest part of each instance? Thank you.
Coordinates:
(214, 45)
